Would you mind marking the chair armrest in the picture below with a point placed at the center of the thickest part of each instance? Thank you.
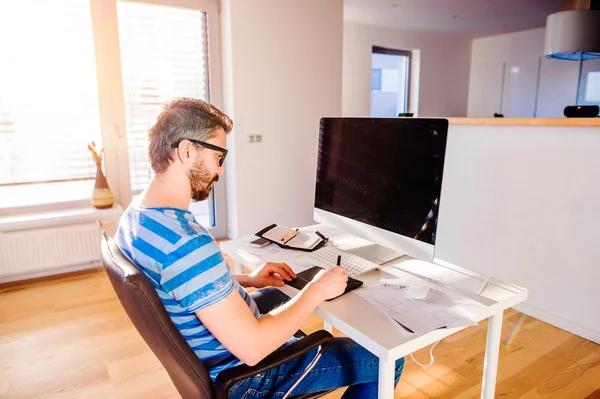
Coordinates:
(229, 376)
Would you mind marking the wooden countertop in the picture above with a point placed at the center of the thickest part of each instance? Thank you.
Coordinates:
(576, 122)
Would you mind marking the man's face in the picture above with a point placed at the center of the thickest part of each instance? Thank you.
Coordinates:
(206, 170)
(201, 180)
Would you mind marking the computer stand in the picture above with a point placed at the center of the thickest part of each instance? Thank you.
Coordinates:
(375, 253)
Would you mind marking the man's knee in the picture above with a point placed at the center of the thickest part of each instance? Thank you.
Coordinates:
(400, 364)
(399, 368)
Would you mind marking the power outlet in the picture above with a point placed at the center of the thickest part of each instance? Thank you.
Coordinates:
(254, 138)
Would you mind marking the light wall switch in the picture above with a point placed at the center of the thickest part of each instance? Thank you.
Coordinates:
(258, 138)
(250, 138)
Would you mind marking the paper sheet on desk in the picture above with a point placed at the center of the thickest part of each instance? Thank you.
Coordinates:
(468, 307)
(419, 315)
(436, 273)
(273, 253)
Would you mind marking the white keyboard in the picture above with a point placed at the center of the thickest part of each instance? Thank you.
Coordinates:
(353, 264)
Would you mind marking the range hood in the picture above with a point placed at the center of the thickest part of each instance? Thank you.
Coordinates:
(574, 35)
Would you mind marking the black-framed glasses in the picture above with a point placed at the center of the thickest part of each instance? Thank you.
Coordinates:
(206, 145)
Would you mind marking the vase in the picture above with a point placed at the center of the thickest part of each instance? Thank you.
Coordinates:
(102, 197)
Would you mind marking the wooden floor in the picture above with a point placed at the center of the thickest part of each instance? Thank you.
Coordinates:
(68, 337)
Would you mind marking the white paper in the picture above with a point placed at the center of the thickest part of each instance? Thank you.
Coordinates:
(277, 233)
(331, 233)
(304, 240)
(375, 308)
(436, 310)
(440, 274)
(273, 253)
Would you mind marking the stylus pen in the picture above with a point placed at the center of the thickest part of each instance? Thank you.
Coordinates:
(339, 260)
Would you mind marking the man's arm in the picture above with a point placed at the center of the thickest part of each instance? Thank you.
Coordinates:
(244, 280)
(251, 339)
(268, 275)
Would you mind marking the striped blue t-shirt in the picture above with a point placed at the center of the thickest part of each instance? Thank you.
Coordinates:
(188, 271)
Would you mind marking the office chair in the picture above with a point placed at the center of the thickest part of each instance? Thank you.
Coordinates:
(188, 373)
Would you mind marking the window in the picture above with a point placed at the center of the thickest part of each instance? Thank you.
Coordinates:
(49, 107)
(390, 71)
(75, 71)
(163, 55)
(376, 79)
(588, 88)
(592, 88)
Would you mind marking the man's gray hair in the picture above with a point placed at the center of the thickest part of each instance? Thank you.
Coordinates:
(182, 118)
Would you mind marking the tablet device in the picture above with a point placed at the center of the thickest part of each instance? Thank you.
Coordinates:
(306, 276)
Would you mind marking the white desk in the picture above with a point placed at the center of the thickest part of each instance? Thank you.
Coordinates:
(381, 336)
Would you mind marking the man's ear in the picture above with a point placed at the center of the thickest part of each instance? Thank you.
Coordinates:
(183, 152)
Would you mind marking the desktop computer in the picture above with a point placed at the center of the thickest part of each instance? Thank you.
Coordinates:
(380, 179)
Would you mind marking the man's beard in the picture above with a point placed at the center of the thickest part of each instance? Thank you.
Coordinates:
(201, 181)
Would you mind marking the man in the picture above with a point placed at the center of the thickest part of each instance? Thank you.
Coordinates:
(222, 323)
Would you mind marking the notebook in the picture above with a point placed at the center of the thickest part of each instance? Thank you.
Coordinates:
(287, 237)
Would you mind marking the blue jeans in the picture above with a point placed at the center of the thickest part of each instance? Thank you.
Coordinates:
(345, 364)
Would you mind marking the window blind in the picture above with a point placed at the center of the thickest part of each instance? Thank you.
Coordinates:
(163, 55)
(48, 91)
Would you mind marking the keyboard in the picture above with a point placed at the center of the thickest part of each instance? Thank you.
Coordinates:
(353, 264)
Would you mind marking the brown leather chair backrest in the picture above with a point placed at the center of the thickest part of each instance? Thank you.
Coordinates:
(150, 318)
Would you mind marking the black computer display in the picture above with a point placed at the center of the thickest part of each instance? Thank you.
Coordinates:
(385, 172)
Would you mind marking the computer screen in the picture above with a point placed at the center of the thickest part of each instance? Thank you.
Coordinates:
(385, 172)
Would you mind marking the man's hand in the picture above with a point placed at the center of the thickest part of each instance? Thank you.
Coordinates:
(271, 274)
(328, 283)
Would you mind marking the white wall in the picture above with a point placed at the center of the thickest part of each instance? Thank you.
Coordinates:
(504, 74)
(444, 69)
(282, 72)
(510, 75)
(520, 203)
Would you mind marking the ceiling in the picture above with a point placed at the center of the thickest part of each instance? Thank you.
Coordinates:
(470, 17)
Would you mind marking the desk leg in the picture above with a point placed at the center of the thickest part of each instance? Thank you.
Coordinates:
(386, 379)
(492, 352)
(327, 327)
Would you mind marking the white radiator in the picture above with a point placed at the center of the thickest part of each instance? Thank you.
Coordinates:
(41, 251)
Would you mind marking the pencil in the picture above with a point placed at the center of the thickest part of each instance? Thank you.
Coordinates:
(285, 237)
